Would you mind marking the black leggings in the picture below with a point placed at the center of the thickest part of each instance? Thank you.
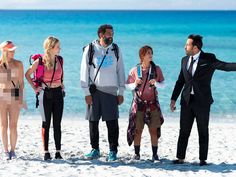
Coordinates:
(53, 104)
(113, 134)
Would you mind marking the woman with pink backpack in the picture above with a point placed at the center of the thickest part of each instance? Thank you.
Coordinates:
(50, 88)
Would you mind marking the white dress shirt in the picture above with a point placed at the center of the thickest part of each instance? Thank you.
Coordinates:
(195, 58)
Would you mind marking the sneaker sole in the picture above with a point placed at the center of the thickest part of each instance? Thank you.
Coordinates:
(92, 158)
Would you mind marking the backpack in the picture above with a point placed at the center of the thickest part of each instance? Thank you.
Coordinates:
(91, 52)
(152, 74)
(38, 74)
(152, 71)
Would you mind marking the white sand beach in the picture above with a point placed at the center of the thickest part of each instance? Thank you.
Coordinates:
(75, 143)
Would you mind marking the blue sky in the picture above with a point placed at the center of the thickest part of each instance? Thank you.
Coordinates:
(120, 4)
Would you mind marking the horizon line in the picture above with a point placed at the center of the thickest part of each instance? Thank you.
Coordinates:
(119, 9)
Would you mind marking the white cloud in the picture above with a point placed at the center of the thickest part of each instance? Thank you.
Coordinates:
(118, 4)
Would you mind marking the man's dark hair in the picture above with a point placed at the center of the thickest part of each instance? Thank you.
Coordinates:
(197, 40)
(102, 29)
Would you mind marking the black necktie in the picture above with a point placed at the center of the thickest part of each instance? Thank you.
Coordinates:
(190, 69)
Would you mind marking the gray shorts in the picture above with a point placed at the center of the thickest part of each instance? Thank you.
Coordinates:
(104, 105)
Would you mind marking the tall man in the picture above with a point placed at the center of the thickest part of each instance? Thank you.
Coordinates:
(195, 77)
(103, 81)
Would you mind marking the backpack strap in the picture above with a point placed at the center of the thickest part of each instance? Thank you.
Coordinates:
(60, 59)
(153, 73)
(40, 60)
(100, 65)
(116, 50)
(90, 54)
(139, 70)
(30, 60)
(139, 73)
(54, 70)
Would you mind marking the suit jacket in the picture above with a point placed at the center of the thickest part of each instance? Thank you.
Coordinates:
(201, 80)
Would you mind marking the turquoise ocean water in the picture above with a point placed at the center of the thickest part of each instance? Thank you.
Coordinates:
(165, 31)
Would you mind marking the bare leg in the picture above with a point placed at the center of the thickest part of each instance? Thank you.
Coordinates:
(137, 137)
(153, 134)
(4, 126)
(13, 117)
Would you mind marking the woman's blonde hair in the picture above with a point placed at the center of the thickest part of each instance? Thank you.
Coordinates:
(48, 45)
(3, 57)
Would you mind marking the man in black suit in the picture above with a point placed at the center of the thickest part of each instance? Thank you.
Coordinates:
(194, 79)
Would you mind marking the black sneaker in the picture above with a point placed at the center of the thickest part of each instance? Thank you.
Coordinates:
(136, 157)
(155, 158)
(177, 161)
(58, 155)
(47, 156)
(202, 163)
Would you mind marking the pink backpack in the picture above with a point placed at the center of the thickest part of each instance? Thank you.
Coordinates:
(38, 74)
